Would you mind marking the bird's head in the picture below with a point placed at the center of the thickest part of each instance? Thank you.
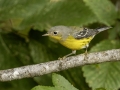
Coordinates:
(58, 32)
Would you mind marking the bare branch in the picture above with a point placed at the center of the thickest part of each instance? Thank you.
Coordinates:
(58, 65)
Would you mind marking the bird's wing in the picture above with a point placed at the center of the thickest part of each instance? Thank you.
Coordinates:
(79, 33)
(85, 33)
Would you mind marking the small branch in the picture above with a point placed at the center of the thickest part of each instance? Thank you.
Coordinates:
(58, 65)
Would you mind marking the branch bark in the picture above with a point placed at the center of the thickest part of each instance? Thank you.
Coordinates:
(59, 65)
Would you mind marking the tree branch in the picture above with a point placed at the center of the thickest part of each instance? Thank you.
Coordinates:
(58, 65)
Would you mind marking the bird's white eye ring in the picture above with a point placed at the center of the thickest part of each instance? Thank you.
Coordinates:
(55, 33)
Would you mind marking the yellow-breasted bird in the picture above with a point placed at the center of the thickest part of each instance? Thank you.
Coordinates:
(74, 38)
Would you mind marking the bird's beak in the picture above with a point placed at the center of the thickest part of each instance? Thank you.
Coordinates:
(45, 34)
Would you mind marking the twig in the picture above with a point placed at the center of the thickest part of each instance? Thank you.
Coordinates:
(59, 65)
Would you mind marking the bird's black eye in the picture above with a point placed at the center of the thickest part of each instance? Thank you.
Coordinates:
(55, 33)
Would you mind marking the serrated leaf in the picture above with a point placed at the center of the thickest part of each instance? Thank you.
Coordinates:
(60, 81)
(103, 9)
(105, 75)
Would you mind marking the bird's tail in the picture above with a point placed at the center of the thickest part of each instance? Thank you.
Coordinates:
(103, 29)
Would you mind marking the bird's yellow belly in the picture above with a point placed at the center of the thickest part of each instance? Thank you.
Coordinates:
(76, 44)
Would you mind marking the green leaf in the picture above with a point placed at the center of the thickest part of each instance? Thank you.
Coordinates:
(38, 52)
(106, 45)
(118, 8)
(14, 53)
(42, 14)
(20, 9)
(60, 83)
(100, 89)
(104, 75)
(61, 12)
(103, 9)
(16, 11)
(44, 80)
(44, 88)
(75, 76)
(115, 31)
(13, 50)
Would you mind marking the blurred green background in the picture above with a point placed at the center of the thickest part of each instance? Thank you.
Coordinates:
(22, 23)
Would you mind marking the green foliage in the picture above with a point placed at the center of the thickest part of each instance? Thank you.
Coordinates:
(105, 45)
(59, 82)
(22, 23)
(104, 75)
(73, 74)
(103, 9)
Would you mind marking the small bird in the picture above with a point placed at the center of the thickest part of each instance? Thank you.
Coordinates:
(74, 38)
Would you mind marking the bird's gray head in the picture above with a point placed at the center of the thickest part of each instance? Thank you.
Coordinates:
(58, 32)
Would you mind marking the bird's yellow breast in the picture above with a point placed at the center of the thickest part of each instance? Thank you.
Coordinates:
(74, 44)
